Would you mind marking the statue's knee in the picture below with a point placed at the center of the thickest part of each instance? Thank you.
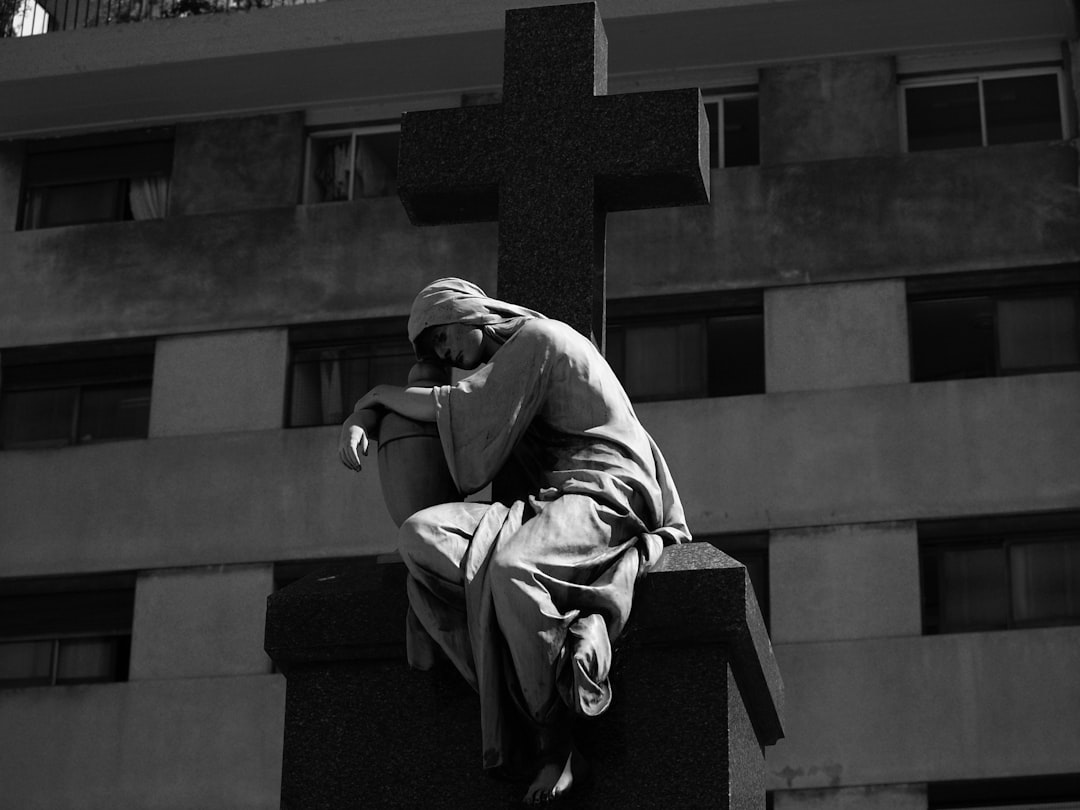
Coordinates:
(414, 534)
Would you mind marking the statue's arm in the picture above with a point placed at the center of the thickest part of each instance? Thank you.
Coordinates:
(414, 402)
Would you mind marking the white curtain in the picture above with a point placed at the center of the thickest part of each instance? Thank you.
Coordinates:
(149, 197)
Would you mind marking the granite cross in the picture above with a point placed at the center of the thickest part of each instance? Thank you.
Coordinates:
(552, 159)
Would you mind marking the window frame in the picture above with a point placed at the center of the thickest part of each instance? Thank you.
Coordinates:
(76, 355)
(979, 76)
(380, 127)
(719, 96)
(625, 313)
(1004, 532)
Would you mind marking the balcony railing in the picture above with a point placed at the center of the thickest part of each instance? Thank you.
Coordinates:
(21, 18)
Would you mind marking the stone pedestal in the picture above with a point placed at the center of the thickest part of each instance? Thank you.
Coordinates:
(697, 696)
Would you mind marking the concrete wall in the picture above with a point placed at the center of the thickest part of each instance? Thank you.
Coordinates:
(863, 455)
(836, 336)
(217, 383)
(237, 164)
(965, 706)
(154, 745)
(200, 622)
(11, 157)
(840, 220)
(828, 109)
(864, 797)
(831, 583)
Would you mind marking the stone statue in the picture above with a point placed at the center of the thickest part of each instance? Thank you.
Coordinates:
(526, 594)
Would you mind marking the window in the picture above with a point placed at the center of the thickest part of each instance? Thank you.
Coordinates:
(60, 395)
(1057, 792)
(1000, 573)
(983, 109)
(733, 129)
(335, 365)
(659, 350)
(74, 181)
(752, 550)
(65, 631)
(350, 164)
(986, 333)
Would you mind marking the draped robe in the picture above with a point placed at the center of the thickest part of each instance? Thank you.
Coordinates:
(590, 507)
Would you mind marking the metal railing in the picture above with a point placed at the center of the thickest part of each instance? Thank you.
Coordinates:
(21, 18)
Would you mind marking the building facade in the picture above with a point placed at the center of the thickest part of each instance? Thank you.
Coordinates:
(862, 362)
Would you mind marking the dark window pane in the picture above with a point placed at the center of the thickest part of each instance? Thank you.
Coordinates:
(114, 412)
(330, 169)
(327, 381)
(1022, 108)
(86, 660)
(347, 167)
(1038, 333)
(665, 361)
(712, 113)
(974, 589)
(741, 132)
(376, 165)
(952, 338)
(26, 663)
(943, 116)
(54, 206)
(736, 355)
(1045, 581)
(37, 419)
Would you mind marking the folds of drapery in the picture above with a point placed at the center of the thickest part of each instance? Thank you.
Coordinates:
(149, 197)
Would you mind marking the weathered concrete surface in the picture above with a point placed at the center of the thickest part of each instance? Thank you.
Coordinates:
(864, 455)
(200, 622)
(11, 157)
(156, 745)
(236, 164)
(829, 109)
(856, 581)
(864, 797)
(963, 706)
(219, 271)
(836, 336)
(220, 382)
(840, 220)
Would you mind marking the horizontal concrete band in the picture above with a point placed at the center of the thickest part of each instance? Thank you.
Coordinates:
(836, 220)
(862, 455)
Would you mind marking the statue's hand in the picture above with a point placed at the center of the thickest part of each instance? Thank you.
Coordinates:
(353, 442)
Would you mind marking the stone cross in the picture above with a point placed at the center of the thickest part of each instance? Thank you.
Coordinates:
(552, 159)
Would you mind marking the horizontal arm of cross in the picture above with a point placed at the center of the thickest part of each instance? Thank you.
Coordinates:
(651, 150)
(449, 164)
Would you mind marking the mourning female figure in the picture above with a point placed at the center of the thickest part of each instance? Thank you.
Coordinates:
(525, 595)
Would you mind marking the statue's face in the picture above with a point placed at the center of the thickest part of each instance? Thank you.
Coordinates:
(458, 345)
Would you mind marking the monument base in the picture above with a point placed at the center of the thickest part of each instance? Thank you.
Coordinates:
(695, 699)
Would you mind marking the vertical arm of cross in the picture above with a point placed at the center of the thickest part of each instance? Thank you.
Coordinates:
(449, 164)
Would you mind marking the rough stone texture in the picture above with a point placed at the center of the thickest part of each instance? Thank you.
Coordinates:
(221, 382)
(200, 622)
(836, 336)
(830, 109)
(697, 696)
(552, 159)
(840, 220)
(234, 164)
(856, 581)
(11, 158)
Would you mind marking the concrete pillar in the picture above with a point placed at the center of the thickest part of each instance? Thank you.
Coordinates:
(836, 583)
(830, 109)
(236, 164)
(200, 622)
(827, 336)
(220, 382)
(11, 164)
(863, 797)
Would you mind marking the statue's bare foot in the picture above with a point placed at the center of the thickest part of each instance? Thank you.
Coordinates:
(556, 777)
